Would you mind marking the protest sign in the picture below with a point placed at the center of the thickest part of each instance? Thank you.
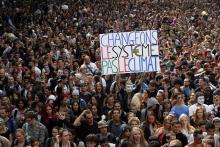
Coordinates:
(129, 52)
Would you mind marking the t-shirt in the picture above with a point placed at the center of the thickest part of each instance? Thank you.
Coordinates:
(193, 108)
(178, 110)
(86, 129)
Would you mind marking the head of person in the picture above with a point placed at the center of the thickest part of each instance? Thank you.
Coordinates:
(90, 140)
(202, 82)
(20, 135)
(89, 117)
(200, 113)
(170, 136)
(134, 122)
(175, 143)
(3, 112)
(130, 115)
(126, 143)
(115, 113)
(64, 134)
(55, 131)
(125, 133)
(103, 127)
(167, 123)
(176, 126)
(216, 122)
(210, 128)
(86, 59)
(137, 136)
(31, 117)
(184, 120)
(200, 99)
(104, 142)
(160, 96)
(198, 136)
(151, 117)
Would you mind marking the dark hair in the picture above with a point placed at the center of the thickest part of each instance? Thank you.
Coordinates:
(196, 132)
(126, 143)
(175, 122)
(31, 114)
(90, 138)
(209, 125)
(201, 123)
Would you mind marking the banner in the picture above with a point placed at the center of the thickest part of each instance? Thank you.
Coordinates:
(129, 52)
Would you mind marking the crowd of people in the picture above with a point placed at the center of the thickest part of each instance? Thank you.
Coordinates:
(53, 93)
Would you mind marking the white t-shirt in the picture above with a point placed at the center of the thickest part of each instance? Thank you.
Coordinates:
(193, 108)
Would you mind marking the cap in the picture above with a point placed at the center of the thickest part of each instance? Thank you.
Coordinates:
(75, 92)
(52, 97)
(216, 120)
(102, 124)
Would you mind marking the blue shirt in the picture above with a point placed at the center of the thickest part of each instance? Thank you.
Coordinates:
(178, 110)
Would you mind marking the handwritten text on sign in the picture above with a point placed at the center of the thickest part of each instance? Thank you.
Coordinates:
(129, 52)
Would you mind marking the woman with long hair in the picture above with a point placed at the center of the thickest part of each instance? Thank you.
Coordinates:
(199, 115)
(20, 140)
(99, 93)
(186, 127)
(125, 135)
(49, 118)
(137, 138)
(150, 125)
(19, 112)
(162, 131)
(63, 140)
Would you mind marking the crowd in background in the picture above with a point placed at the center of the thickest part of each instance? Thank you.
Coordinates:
(53, 93)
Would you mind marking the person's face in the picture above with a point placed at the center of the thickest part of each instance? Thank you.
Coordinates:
(186, 82)
(71, 136)
(134, 124)
(184, 121)
(111, 100)
(211, 132)
(65, 136)
(20, 104)
(202, 127)
(90, 144)
(117, 106)
(159, 97)
(75, 106)
(116, 115)
(3, 113)
(201, 82)
(5, 101)
(94, 110)
(89, 118)
(136, 134)
(30, 121)
(19, 136)
(55, 132)
(201, 99)
(200, 113)
(103, 130)
(99, 88)
(151, 119)
(198, 139)
(176, 128)
(49, 110)
(216, 100)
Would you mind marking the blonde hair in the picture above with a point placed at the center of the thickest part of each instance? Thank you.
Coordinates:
(134, 119)
(143, 141)
(190, 128)
(136, 100)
